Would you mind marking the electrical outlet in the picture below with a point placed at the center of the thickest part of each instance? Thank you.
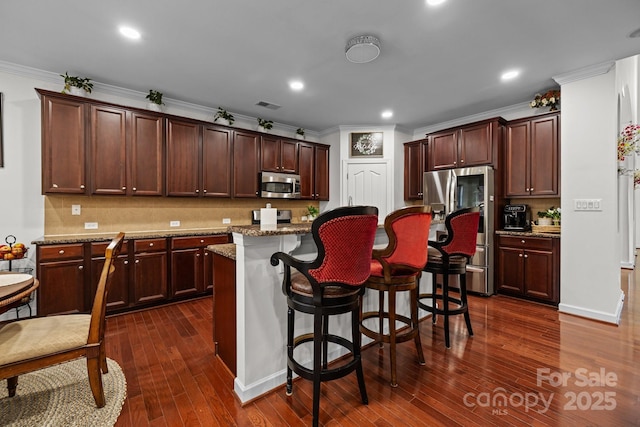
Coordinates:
(75, 210)
(90, 225)
(226, 220)
(174, 224)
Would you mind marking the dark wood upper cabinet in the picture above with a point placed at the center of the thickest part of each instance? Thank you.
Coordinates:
(246, 163)
(415, 164)
(532, 157)
(108, 150)
(63, 145)
(216, 161)
(183, 158)
(146, 155)
(278, 154)
(475, 144)
(313, 167)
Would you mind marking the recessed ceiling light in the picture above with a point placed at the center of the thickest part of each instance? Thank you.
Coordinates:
(130, 33)
(387, 114)
(435, 2)
(509, 75)
(296, 85)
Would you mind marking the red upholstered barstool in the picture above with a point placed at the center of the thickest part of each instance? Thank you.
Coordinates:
(397, 268)
(329, 285)
(451, 256)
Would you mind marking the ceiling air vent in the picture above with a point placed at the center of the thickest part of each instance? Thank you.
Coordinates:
(268, 105)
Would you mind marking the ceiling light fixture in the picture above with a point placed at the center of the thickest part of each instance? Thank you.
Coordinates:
(509, 75)
(387, 114)
(435, 2)
(296, 85)
(130, 33)
(362, 49)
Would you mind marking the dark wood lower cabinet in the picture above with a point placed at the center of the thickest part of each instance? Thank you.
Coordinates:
(529, 267)
(148, 272)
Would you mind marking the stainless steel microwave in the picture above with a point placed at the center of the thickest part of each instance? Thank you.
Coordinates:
(275, 185)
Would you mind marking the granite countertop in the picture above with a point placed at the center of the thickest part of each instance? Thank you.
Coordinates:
(527, 234)
(80, 238)
(281, 229)
(227, 250)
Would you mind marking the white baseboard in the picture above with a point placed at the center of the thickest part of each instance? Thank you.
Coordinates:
(595, 314)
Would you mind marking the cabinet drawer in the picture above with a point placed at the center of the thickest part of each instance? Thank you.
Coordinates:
(150, 245)
(197, 242)
(98, 249)
(541, 243)
(58, 252)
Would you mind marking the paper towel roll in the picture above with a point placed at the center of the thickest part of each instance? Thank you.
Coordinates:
(268, 218)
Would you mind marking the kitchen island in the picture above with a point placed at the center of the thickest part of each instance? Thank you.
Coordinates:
(261, 307)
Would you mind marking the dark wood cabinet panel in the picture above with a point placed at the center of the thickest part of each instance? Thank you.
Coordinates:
(415, 164)
(216, 161)
(529, 267)
(146, 155)
(150, 264)
(321, 169)
(118, 292)
(532, 153)
(313, 167)
(224, 310)
(474, 144)
(443, 148)
(183, 158)
(63, 145)
(186, 272)
(246, 164)
(61, 271)
(278, 154)
(108, 140)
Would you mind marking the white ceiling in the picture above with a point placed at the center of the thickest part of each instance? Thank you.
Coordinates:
(436, 64)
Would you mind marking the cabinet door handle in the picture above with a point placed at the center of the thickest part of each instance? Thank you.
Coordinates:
(134, 189)
(82, 186)
(124, 188)
(137, 261)
(150, 244)
(197, 191)
(206, 254)
(204, 191)
(126, 262)
(81, 267)
(526, 256)
(201, 241)
(522, 241)
(198, 255)
(520, 255)
(55, 185)
(61, 251)
(531, 188)
(462, 161)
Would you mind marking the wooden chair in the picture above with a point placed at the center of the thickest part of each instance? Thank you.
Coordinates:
(32, 344)
(448, 257)
(397, 268)
(329, 285)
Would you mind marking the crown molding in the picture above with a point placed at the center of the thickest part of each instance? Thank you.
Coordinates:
(584, 73)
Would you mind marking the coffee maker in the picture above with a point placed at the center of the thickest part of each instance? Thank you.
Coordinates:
(517, 217)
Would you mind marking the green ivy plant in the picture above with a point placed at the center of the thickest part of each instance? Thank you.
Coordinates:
(155, 97)
(79, 82)
(267, 124)
(223, 114)
(300, 131)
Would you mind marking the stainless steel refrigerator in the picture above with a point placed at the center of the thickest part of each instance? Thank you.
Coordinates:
(453, 189)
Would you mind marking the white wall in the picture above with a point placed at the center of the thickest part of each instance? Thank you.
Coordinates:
(590, 253)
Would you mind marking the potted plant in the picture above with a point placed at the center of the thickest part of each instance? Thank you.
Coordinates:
(264, 124)
(76, 85)
(300, 133)
(551, 99)
(155, 100)
(223, 117)
(312, 212)
(551, 215)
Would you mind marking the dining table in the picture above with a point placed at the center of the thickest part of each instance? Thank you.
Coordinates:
(14, 287)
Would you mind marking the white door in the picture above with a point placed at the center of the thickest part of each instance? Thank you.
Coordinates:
(368, 184)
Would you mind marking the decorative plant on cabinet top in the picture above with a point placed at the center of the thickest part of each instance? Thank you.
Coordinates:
(267, 124)
(224, 116)
(71, 82)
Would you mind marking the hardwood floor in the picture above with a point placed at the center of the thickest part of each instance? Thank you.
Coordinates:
(505, 375)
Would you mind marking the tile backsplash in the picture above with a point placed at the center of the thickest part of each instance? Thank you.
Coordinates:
(140, 214)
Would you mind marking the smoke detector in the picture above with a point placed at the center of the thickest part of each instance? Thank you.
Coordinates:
(362, 49)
